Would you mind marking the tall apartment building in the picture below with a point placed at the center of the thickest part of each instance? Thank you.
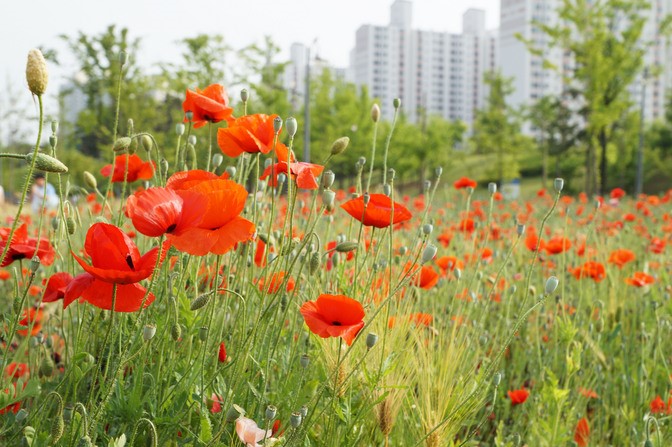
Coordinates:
(433, 73)
(532, 80)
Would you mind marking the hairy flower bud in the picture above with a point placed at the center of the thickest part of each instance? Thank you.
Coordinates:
(217, 160)
(396, 102)
(339, 145)
(200, 301)
(375, 113)
(558, 184)
(428, 253)
(36, 72)
(345, 247)
(90, 180)
(47, 163)
(551, 284)
(244, 95)
(122, 144)
(179, 129)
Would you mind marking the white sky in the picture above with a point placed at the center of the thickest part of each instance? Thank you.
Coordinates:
(25, 24)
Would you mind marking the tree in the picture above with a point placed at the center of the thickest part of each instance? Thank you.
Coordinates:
(497, 129)
(604, 39)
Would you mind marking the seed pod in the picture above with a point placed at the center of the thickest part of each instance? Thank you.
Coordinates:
(234, 413)
(179, 129)
(345, 247)
(244, 95)
(200, 301)
(47, 163)
(304, 361)
(70, 225)
(36, 72)
(551, 284)
(271, 411)
(292, 126)
(176, 331)
(217, 160)
(85, 441)
(277, 124)
(375, 113)
(148, 332)
(46, 367)
(428, 253)
(339, 145)
(295, 419)
(315, 262)
(396, 102)
(371, 340)
(57, 428)
(558, 184)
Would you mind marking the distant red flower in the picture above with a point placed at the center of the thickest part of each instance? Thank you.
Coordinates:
(621, 257)
(56, 286)
(657, 406)
(657, 245)
(115, 259)
(532, 240)
(426, 278)
(273, 283)
(210, 105)
(557, 245)
(137, 169)
(449, 263)
(582, 432)
(590, 269)
(518, 396)
(24, 247)
(617, 193)
(10, 394)
(221, 353)
(17, 370)
(31, 320)
(305, 174)
(158, 211)
(465, 182)
(590, 394)
(221, 226)
(640, 279)
(378, 212)
(467, 225)
(334, 316)
(250, 133)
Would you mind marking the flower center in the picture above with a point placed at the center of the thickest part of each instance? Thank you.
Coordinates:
(129, 261)
(336, 323)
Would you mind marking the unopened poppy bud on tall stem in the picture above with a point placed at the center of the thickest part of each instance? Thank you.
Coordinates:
(292, 126)
(375, 113)
(36, 72)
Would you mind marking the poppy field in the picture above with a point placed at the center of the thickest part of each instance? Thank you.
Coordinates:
(236, 297)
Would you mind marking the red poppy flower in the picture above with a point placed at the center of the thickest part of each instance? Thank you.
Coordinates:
(378, 213)
(426, 278)
(305, 174)
(16, 370)
(640, 279)
(31, 319)
(621, 257)
(56, 286)
(273, 283)
(590, 394)
(657, 406)
(617, 193)
(10, 394)
(115, 259)
(446, 263)
(334, 316)
(467, 225)
(221, 227)
(557, 245)
(590, 269)
(532, 240)
(158, 211)
(465, 182)
(221, 353)
(24, 247)
(518, 396)
(137, 169)
(582, 432)
(210, 105)
(250, 133)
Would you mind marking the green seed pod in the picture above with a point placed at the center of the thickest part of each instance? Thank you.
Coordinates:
(292, 126)
(315, 262)
(200, 301)
(203, 333)
(345, 247)
(179, 129)
(148, 332)
(70, 225)
(277, 124)
(175, 332)
(90, 180)
(234, 413)
(244, 95)
(271, 411)
(396, 103)
(57, 428)
(47, 163)
(304, 361)
(217, 160)
(558, 184)
(295, 419)
(46, 367)
(371, 340)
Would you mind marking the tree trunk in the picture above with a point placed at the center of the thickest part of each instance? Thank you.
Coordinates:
(603, 161)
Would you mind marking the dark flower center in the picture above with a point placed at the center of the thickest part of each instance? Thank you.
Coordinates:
(129, 261)
(171, 228)
(336, 323)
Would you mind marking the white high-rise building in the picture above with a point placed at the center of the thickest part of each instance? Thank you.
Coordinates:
(433, 73)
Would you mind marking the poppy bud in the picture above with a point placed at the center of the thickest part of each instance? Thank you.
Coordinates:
(391, 174)
(70, 225)
(438, 171)
(271, 411)
(304, 361)
(492, 187)
(496, 379)
(217, 160)
(54, 126)
(558, 184)
(426, 185)
(46, 367)
(328, 179)
(192, 140)
(189, 115)
(366, 199)
(292, 126)
(427, 229)
(375, 113)
(396, 102)
(314, 262)
(122, 144)
(47, 163)
(428, 253)
(345, 247)
(34, 264)
(282, 178)
(520, 229)
(387, 189)
(146, 142)
(295, 419)
(21, 415)
(361, 161)
(458, 273)
(234, 413)
(179, 129)
(90, 180)
(371, 340)
(244, 95)
(163, 166)
(339, 145)
(123, 58)
(148, 332)
(304, 411)
(551, 285)
(277, 124)
(36, 72)
(57, 428)
(403, 250)
(648, 443)
(53, 140)
(479, 276)
(175, 331)
(231, 170)
(203, 333)
(598, 204)
(221, 353)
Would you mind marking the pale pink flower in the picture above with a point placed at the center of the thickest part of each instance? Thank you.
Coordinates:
(249, 432)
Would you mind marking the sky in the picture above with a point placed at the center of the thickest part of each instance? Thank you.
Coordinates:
(160, 23)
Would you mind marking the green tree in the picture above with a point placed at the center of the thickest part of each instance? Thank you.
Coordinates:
(497, 129)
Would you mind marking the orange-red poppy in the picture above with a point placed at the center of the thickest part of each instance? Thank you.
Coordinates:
(379, 212)
(115, 259)
(273, 283)
(518, 396)
(590, 269)
(426, 278)
(137, 169)
(446, 263)
(464, 182)
(334, 316)
(305, 174)
(621, 257)
(24, 247)
(557, 245)
(221, 226)
(582, 432)
(210, 105)
(31, 320)
(250, 133)
(640, 279)
(56, 285)
(617, 193)
(158, 211)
